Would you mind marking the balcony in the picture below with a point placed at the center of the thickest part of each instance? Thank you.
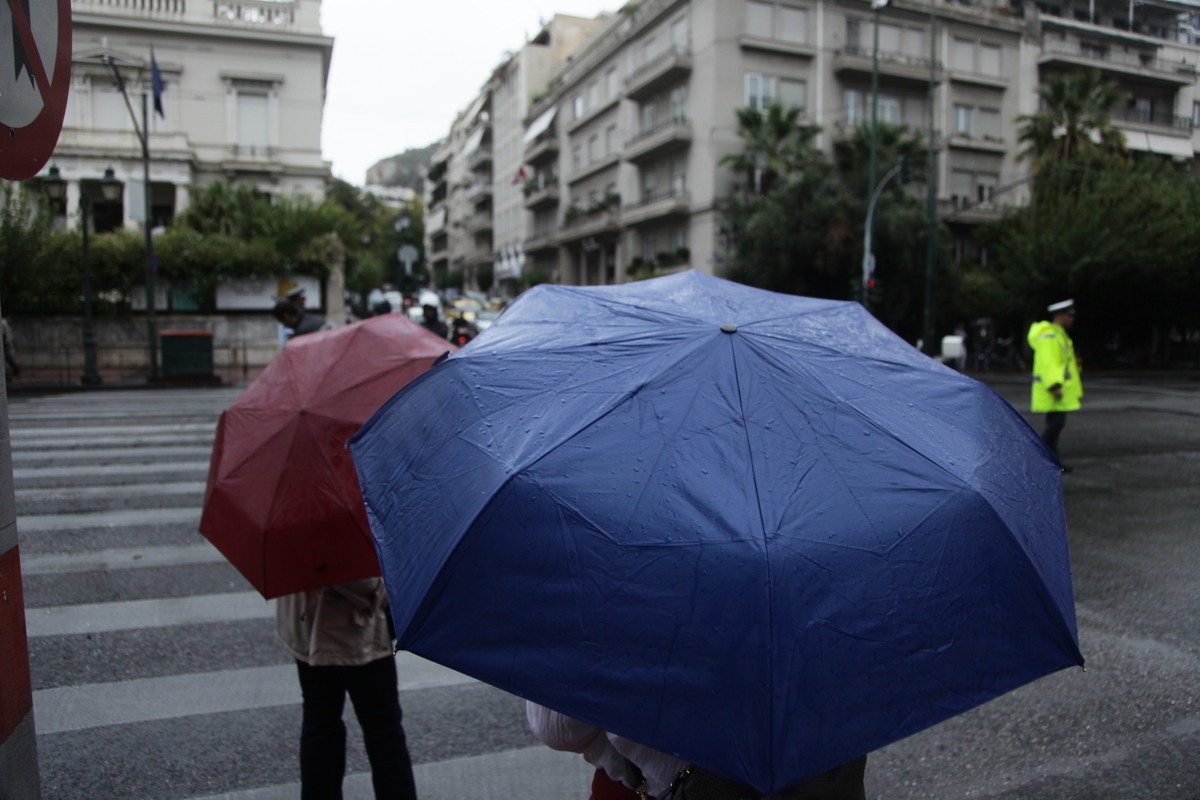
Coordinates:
(480, 158)
(542, 150)
(1088, 48)
(604, 163)
(861, 61)
(673, 135)
(480, 222)
(542, 240)
(658, 206)
(964, 210)
(544, 197)
(590, 224)
(667, 69)
(479, 191)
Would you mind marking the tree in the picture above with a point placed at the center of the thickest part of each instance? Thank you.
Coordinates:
(1075, 123)
(775, 144)
(1122, 242)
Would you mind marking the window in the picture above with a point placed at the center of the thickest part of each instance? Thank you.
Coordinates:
(989, 123)
(679, 35)
(964, 120)
(649, 248)
(1196, 113)
(985, 187)
(649, 117)
(577, 106)
(914, 43)
(679, 104)
(593, 147)
(252, 123)
(962, 57)
(854, 39)
(758, 19)
(678, 178)
(1143, 109)
(1092, 50)
(889, 38)
(989, 60)
(649, 49)
(576, 159)
(888, 109)
(610, 140)
(108, 107)
(852, 102)
(593, 94)
(760, 91)
(793, 93)
(793, 24)
(612, 88)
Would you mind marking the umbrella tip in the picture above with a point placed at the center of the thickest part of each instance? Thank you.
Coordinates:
(728, 328)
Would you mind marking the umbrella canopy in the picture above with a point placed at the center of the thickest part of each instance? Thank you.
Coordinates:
(756, 531)
(282, 501)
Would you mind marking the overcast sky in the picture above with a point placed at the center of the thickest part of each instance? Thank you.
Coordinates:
(402, 70)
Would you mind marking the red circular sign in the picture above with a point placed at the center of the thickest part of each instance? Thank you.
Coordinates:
(34, 81)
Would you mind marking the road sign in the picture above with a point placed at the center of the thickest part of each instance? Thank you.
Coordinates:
(407, 254)
(34, 81)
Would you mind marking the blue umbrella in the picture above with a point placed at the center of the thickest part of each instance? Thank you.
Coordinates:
(756, 531)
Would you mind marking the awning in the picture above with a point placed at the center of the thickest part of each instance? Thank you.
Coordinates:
(540, 125)
(435, 221)
(1159, 143)
(473, 143)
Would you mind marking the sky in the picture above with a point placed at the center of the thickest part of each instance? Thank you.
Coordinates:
(402, 70)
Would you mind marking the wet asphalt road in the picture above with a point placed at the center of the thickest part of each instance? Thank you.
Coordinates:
(1127, 728)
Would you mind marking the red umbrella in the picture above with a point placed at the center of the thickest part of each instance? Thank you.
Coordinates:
(282, 501)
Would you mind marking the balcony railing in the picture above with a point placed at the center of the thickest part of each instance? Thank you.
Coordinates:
(301, 16)
(1111, 58)
(1154, 117)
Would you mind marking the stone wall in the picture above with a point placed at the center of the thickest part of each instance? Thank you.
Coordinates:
(51, 348)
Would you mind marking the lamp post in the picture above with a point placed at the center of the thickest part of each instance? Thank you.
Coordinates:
(403, 266)
(110, 189)
(868, 256)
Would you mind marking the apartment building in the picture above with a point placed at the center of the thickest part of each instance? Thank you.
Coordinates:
(622, 151)
(476, 214)
(243, 99)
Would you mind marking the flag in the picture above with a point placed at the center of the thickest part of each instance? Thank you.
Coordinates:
(159, 86)
(520, 176)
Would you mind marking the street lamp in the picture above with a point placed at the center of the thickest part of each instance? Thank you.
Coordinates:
(869, 257)
(405, 254)
(110, 189)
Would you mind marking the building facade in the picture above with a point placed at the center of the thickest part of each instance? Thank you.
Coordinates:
(476, 216)
(244, 90)
(623, 148)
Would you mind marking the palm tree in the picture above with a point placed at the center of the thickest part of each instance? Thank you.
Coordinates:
(776, 144)
(1075, 122)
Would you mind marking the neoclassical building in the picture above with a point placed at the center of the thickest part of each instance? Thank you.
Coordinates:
(244, 89)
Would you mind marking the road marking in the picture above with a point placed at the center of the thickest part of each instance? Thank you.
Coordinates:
(536, 773)
(91, 471)
(75, 708)
(191, 488)
(120, 558)
(156, 613)
(120, 518)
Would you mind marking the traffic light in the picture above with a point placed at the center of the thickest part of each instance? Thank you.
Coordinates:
(874, 290)
(905, 170)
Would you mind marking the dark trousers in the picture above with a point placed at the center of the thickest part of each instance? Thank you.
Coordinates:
(376, 701)
(1055, 422)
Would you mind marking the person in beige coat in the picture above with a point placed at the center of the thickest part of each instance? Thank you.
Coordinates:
(341, 639)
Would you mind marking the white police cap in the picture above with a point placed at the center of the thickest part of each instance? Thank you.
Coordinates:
(1063, 306)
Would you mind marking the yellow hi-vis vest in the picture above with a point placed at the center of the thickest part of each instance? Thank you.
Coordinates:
(1054, 364)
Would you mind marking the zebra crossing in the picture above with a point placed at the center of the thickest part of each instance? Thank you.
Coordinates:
(155, 669)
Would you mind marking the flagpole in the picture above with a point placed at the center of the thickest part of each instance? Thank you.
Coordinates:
(143, 134)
